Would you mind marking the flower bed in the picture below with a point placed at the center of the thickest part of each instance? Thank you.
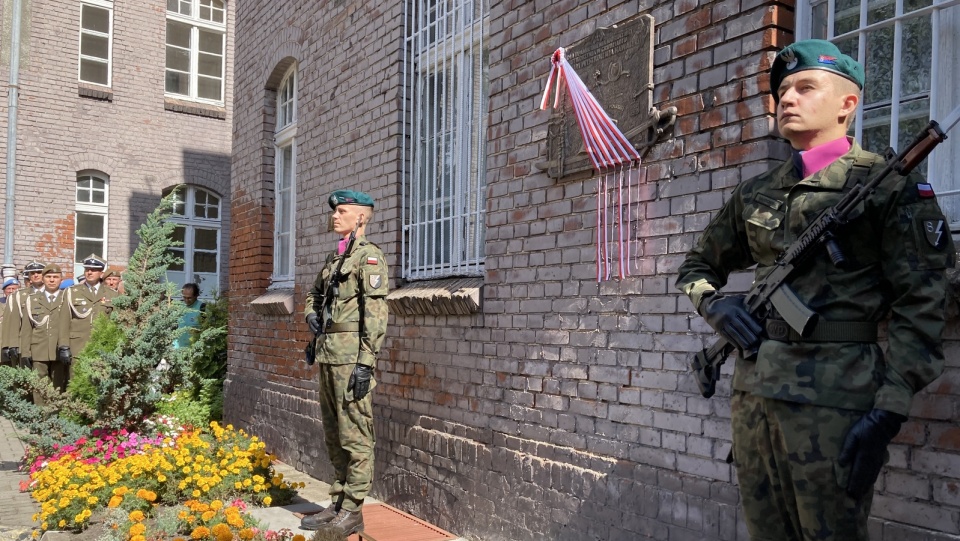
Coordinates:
(179, 481)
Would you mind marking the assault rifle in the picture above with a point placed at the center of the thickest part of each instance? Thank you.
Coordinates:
(773, 289)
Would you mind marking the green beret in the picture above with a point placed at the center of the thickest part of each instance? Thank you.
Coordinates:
(813, 54)
(350, 197)
(51, 268)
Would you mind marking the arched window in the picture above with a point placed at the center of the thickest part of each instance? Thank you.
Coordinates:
(92, 206)
(197, 215)
(285, 210)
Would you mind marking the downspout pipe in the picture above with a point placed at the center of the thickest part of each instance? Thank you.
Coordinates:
(13, 94)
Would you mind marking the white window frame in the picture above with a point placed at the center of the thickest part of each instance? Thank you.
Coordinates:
(285, 193)
(90, 208)
(191, 222)
(444, 178)
(101, 4)
(196, 24)
(944, 93)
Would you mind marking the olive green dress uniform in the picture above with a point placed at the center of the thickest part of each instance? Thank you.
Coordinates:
(348, 423)
(792, 408)
(40, 336)
(84, 304)
(13, 311)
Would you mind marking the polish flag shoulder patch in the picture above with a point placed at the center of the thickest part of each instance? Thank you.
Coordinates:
(925, 191)
(373, 261)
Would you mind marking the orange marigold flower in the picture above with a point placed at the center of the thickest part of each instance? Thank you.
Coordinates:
(136, 515)
(138, 529)
(200, 532)
(208, 515)
(115, 501)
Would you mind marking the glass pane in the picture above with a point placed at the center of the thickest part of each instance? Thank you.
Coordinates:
(179, 208)
(205, 239)
(211, 42)
(208, 88)
(87, 247)
(879, 11)
(83, 196)
(200, 197)
(97, 183)
(876, 130)
(95, 19)
(98, 46)
(179, 234)
(205, 13)
(211, 65)
(818, 21)
(879, 84)
(178, 59)
(204, 262)
(178, 252)
(178, 34)
(212, 200)
(177, 83)
(83, 182)
(213, 213)
(92, 71)
(913, 5)
(173, 5)
(914, 117)
(283, 212)
(212, 10)
(846, 16)
(90, 226)
(283, 255)
(917, 50)
(98, 196)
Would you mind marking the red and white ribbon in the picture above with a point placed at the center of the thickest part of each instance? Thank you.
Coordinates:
(613, 157)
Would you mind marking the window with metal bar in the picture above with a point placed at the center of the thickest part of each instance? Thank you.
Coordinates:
(909, 51)
(285, 206)
(96, 41)
(196, 44)
(196, 213)
(443, 180)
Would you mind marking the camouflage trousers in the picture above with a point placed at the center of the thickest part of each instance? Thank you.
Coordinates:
(348, 432)
(791, 487)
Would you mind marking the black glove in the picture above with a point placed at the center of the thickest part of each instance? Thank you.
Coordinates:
(4, 355)
(63, 354)
(26, 362)
(310, 353)
(728, 316)
(313, 322)
(865, 449)
(14, 354)
(360, 381)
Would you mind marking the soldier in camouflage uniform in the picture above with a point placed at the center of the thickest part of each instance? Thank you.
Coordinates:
(812, 416)
(347, 311)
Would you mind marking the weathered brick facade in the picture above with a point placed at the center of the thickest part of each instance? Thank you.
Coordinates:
(127, 131)
(564, 409)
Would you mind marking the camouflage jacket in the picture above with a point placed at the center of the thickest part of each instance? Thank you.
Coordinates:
(364, 273)
(898, 245)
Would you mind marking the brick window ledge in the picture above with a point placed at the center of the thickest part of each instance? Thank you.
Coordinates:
(449, 296)
(194, 108)
(278, 302)
(100, 93)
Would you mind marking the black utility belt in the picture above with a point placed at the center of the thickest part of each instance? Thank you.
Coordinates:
(825, 331)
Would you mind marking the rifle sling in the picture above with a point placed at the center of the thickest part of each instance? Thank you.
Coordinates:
(825, 331)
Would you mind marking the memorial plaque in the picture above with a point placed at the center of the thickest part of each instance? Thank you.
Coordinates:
(616, 65)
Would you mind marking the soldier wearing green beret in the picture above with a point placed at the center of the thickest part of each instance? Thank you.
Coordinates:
(812, 416)
(346, 311)
(10, 346)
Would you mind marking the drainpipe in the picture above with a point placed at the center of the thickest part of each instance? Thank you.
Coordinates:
(13, 91)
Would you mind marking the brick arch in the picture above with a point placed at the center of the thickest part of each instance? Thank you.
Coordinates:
(203, 178)
(285, 50)
(92, 161)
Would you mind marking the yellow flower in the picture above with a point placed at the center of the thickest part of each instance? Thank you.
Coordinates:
(162, 478)
(216, 505)
(195, 493)
(62, 523)
(138, 538)
(267, 501)
(136, 515)
(208, 515)
(200, 532)
(138, 529)
(246, 534)
(115, 501)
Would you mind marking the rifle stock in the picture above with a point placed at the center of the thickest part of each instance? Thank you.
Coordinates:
(772, 289)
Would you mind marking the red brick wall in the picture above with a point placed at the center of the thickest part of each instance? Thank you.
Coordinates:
(565, 409)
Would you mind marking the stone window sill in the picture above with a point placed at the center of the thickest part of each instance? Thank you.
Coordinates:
(449, 296)
(278, 302)
(95, 92)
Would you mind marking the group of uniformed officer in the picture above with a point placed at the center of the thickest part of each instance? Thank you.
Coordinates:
(43, 326)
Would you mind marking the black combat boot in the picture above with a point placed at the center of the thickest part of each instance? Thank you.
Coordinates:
(349, 522)
(317, 521)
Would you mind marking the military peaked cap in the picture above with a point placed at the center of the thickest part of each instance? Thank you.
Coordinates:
(34, 266)
(350, 197)
(811, 54)
(94, 262)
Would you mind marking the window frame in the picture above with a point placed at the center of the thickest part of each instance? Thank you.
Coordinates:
(197, 24)
(100, 4)
(943, 93)
(443, 181)
(285, 136)
(191, 222)
(92, 209)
